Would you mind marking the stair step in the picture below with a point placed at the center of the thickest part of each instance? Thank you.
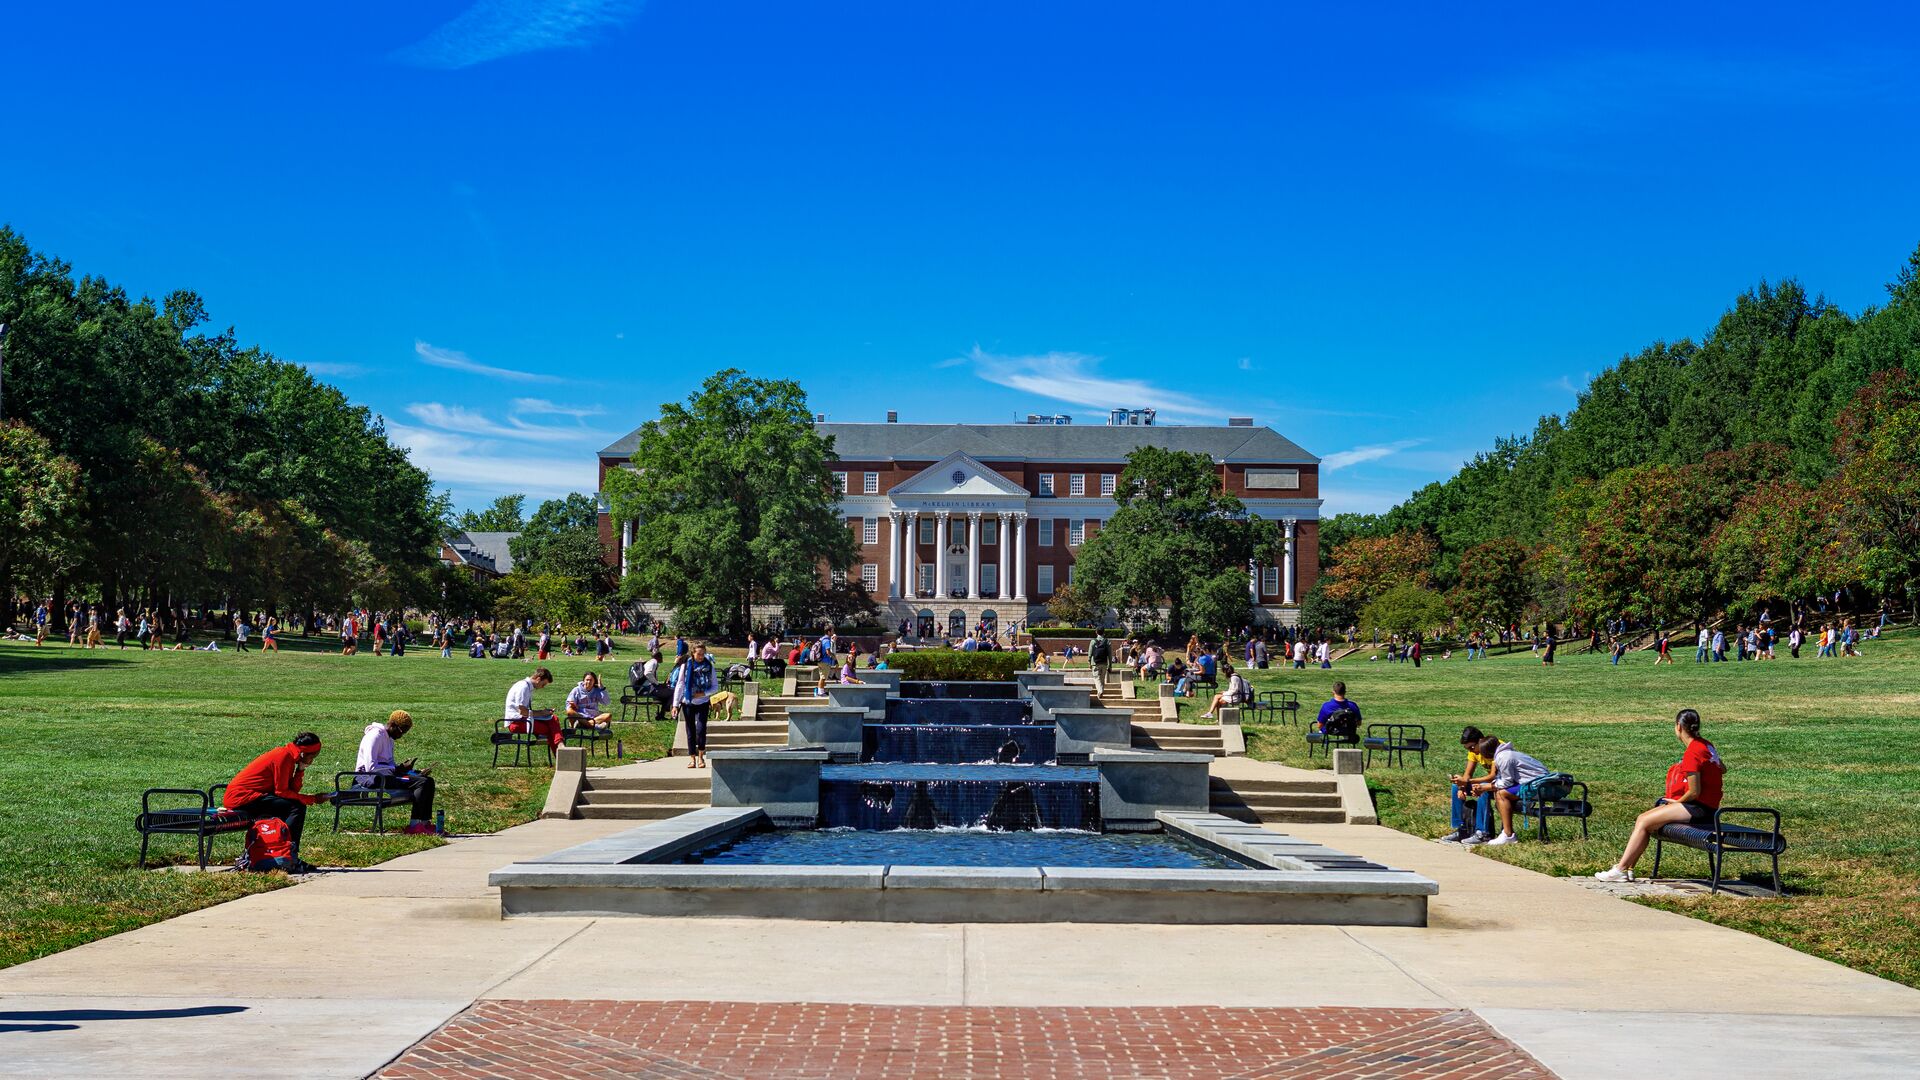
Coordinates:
(1292, 815)
(1252, 787)
(648, 783)
(648, 812)
(644, 798)
(1276, 800)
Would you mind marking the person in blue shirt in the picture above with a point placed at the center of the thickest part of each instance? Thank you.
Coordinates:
(1206, 661)
(1336, 704)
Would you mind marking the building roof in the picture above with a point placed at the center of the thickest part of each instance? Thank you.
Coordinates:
(1041, 442)
(484, 550)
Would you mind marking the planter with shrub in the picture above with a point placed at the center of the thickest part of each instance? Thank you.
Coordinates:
(952, 665)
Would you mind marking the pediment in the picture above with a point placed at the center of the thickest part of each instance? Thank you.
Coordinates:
(959, 476)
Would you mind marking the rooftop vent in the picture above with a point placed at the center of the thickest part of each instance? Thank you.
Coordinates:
(1055, 419)
(1130, 418)
(892, 417)
(819, 418)
(1239, 421)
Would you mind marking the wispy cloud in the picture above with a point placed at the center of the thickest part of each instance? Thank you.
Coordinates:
(476, 467)
(1075, 378)
(541, 407)
(333, 371)
(464, 421)
(1341, 459)
(459, 361)
(494, 29)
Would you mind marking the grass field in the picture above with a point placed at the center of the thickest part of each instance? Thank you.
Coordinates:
(1833, 744)
(82, 733)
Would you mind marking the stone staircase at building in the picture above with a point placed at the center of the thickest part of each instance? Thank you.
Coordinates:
(643, 798)
(742, 734)
(1283, 801)
(1188, 738)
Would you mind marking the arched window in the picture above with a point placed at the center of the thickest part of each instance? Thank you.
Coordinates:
(956, 623)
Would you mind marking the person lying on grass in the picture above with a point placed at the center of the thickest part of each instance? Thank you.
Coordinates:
(1693, 794)
(1514, 775)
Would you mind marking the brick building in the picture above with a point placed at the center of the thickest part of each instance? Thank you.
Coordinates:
(957, 523)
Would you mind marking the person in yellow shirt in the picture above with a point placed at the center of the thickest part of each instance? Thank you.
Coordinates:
(1475, 817)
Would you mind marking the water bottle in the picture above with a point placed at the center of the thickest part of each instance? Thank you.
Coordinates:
(440, 823)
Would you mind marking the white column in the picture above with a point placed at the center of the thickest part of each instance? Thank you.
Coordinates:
(893, 554)
(1020, 557)
(940, 556)
(1002, 587)
(913, 551)
(973, 554)
(1286, 572)
(626, 541)
(1253, 583)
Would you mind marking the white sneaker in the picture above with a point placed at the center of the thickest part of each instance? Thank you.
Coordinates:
(1503, 839)
(1613, 873)
(1206, 716)
(1477, 838)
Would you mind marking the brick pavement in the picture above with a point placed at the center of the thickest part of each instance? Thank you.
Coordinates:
(696, 1040)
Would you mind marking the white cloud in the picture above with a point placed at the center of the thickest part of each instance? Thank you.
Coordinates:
(459, 361)
(493, 29)
(464, 421)
(1344, 500)
(542, 407)
(477, 466)
(1075, 378)
(333, 371)
(1341, 459)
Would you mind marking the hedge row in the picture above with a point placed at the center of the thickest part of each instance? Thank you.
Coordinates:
(952, 664)
(1061, 631)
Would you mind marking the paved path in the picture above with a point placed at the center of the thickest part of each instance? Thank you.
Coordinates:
(338, 976)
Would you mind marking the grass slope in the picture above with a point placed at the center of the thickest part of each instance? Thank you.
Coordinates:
(1830, 743)
(82, 733)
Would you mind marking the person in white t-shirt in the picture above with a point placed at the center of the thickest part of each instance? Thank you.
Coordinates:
(520, 713)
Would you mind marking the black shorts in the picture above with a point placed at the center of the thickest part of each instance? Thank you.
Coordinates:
(1699, 815)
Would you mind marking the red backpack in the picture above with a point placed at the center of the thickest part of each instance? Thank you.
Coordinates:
(268, 842)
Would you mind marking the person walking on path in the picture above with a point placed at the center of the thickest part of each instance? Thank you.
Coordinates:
(1100, 652)
(693, 692)
(1706, 642)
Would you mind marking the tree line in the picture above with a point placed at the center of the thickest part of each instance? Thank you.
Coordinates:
(1775, 460)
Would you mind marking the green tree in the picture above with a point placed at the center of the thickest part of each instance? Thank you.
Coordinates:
(1367, 566)
(1176, 534)
(504, 514)
(1405, 609)
(1875, 495)
(1320, 610)
(40, 499)
(1495, 586)
(563, 538)
(735, 501)
(544, 598)
(1070, 604)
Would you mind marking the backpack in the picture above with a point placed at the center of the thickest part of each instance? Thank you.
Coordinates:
(1345, 723)
(269, 846)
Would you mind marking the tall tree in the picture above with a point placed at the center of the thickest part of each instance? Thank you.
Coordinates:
(736, 504)
(504, 514)
(40, 501)
(1367, 566)
(1177, 537)
(563, 539)
(1495, 587)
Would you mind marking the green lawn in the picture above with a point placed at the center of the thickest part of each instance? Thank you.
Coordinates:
(82, 733)
(1833, 744)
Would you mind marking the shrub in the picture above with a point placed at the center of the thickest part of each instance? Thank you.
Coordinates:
(1061, 631)
(952, 664)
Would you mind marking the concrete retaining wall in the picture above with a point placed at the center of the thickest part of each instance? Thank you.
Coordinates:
(826, 727)
(784, 783)
(1079, 732)
(1137, 786)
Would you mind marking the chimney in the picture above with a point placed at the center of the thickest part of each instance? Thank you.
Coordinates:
(892, 417)
(820, 418)
(1239, 421)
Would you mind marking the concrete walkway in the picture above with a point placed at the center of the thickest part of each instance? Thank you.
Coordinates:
(344, 972)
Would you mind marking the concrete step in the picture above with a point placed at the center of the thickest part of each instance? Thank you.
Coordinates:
(691, 782)
(1295, 816)
(1250, 788)
(1276, 800)
(635, 812)
(643, 798)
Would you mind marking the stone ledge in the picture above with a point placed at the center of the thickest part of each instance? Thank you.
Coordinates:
(963, 877)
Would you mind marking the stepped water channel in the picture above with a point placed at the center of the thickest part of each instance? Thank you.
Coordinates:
(1015, 801)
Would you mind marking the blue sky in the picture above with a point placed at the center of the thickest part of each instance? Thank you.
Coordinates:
(514, 227)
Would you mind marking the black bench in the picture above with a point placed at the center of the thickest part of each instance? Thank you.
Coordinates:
(596, 739)
(202, 819)
(1276, 704)
(347, 795)
(524, 743)
(1316, 737)
(1722, 838)
(1200, 679)
(1554, 796)
(1395, 742)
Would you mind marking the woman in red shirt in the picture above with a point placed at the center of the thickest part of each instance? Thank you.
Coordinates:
(1693, 794)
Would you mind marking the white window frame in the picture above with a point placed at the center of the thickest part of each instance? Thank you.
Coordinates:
(1046, 533)
(1046, 485)
(1070, 567)
(840, 481)
(925, 582)
(1108, 483)
(871, 485)
(870, 576)
(989, 531)
(1269, 581)
(1043, 579)
(1076, 532)
(989, 579)
(869, 530)
(1077, 485)
(838, 577)
(928, 533)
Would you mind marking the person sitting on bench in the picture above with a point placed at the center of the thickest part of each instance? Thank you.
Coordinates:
(269, 787)
(587, 704)
(1693, 794)
(1236, 693)
(374, 767)
(1511, 783)
(1479, 820)
(1341, 706)
(519, 708)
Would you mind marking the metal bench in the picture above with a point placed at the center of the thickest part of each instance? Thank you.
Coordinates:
(1722, 838)
(203, 820)
(1276, 704)
(524, 743)
(345, 794)
(583, 731)
(1395, 742)
(1329, 742)
(1554, 797)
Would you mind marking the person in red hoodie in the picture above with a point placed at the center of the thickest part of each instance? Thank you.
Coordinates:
(269, 787)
